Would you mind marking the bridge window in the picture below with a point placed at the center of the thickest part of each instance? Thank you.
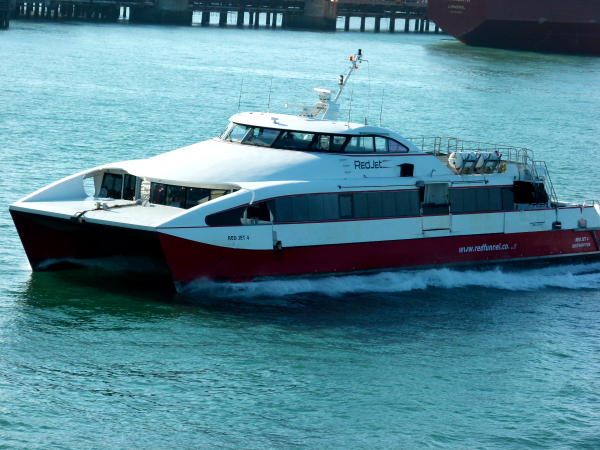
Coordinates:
(237, 133)
(297, 140)
(396, 147)
(374, 144)
(360, 144)
(261, 137)
(294, 140)
(328, 143)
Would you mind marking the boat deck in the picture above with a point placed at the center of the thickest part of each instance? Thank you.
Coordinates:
(137, 216)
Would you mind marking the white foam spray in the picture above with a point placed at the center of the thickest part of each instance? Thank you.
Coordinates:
(580, 276)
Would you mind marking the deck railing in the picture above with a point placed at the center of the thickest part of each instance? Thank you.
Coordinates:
(524, 157)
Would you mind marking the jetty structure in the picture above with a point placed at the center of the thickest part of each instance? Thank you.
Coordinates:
(5, 9)
(299, 14)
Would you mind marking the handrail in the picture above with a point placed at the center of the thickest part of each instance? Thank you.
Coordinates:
(444, 145)
(524, 157)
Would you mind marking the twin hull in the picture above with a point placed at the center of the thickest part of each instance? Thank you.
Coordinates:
(245, 253)
(541, 25)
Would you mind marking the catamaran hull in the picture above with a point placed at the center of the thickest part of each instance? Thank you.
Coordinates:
(53, 243)
(189, 260)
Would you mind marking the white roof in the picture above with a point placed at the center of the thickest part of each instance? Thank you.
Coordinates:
(309, 124)
(221, 162)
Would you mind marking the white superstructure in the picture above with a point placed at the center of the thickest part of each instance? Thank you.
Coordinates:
(284, 195)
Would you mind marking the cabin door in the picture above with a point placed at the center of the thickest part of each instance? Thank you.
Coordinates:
(435, 207)
(259, 219)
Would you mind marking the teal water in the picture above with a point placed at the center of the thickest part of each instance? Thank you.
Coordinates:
(433, 359)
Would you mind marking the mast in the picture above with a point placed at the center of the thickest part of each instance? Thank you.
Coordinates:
(326, 108)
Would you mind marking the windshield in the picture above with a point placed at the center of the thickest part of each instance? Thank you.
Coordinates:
(311, 142)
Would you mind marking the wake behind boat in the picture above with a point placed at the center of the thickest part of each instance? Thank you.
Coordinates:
(279, 195)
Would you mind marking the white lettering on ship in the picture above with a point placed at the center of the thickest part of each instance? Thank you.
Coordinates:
(582, 242)
(486, 248)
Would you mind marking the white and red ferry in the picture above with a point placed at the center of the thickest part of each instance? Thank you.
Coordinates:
(281, 195)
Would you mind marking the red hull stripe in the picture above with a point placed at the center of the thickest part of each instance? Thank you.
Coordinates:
(46, 238)
(190, 260)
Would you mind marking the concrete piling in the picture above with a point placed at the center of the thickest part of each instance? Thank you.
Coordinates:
(317, 14)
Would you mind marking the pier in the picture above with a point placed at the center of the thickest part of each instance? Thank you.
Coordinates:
(5, 8)
(299, 14)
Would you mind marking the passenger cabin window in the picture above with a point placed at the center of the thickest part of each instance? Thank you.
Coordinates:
(112, 186)
(182, 196)
(129, 186)
(118, 186)
(367, 205)
(257, 213)
(491, 199)
(358, 205)
(254, 214)
(312, 142)
(176, 196)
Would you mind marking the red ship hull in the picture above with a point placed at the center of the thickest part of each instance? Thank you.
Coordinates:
(189, 260)
(51, 242)
(538, 25)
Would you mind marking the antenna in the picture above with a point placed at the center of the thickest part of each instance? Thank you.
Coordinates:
(355, 61)
(368, 90)
(381, 110)
(240, 99)
(269, 105)
(350, 108)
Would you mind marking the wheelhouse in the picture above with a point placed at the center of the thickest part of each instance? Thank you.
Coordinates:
(310, 141)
